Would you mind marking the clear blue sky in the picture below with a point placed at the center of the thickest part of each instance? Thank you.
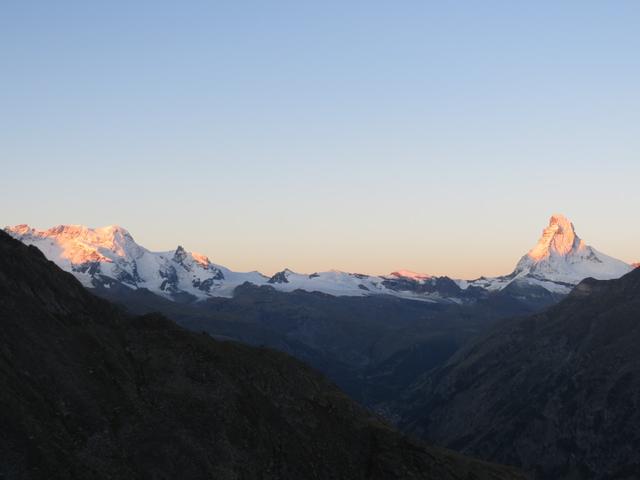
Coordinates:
(364, 136)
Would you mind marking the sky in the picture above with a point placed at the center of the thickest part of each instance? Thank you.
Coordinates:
(362, 136)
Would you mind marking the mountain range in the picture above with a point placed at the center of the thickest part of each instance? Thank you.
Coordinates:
(109, 256)
(90, 393)
(536, 369)
(373, 341)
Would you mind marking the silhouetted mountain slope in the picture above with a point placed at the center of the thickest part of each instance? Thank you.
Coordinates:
(89, 393)
(372, 347)
(373, 342)
(557, 393)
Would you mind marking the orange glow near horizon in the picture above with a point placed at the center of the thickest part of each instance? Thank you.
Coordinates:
(472, 261)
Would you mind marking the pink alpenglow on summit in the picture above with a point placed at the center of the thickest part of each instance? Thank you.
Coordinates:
(77, 244)
(559, 238)
(411, 275)
(563, 257)
(559, 261)
(109, 256)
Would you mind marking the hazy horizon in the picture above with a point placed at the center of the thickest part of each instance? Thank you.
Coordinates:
(359, 137)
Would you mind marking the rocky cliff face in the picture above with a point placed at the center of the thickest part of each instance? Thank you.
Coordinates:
(556, 393)
(89, 393)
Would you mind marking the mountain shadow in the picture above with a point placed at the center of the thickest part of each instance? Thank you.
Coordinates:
(88, 392)
(556, 393)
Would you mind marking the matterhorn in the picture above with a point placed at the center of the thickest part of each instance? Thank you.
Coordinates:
(559, 261)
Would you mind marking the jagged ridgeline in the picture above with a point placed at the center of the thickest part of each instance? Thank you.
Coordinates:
(89, 393)
(108, 256)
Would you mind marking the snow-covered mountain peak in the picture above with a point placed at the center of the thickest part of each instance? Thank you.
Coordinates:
(78, 244)
(411, 275)
(562, 258)
(22, 229)
(201, 259)
(184, 257)
(109, 256)
(282, 276)
(180, 254)
(559, 238)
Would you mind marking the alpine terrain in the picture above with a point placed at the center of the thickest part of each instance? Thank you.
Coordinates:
(372, 335)
(110, 256)
(89, 393)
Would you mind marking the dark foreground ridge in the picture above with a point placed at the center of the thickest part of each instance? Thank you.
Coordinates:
(556, 393)
(86, 392)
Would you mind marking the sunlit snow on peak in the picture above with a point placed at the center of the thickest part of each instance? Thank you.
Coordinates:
(558, 238)
(410, 274)
(108, 255)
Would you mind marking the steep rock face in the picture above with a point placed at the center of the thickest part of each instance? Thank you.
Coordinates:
(88, 393)
(557, 393)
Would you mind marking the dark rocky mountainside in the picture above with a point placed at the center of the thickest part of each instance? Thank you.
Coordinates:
(371, 347)
(556, 393)
(86, 392)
